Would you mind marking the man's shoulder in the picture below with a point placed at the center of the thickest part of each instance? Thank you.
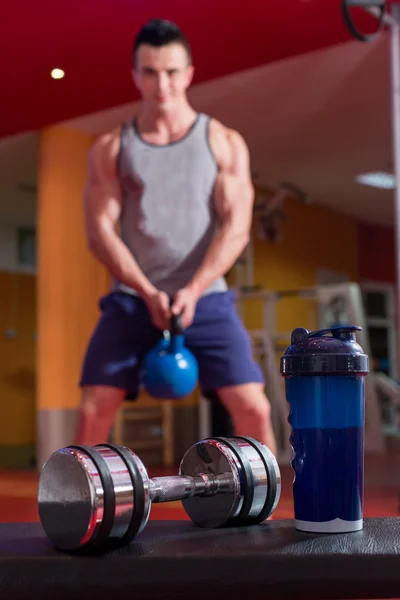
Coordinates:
(226, 143)
(108, 139)
(223, 132)
(105, 147)
(104, 151)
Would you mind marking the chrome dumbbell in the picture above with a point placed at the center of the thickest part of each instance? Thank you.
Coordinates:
(93, 497)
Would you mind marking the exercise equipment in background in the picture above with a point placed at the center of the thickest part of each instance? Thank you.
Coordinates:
(377, 7)
(170, 370)
(391, 407)
(93, 497)
(325, 305)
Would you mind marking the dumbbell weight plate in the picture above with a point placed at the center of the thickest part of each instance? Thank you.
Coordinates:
(141, 498)
(251, 466)
(212, 457)
(56, 493)
(266, 491)
(247, 479)
(76, 495)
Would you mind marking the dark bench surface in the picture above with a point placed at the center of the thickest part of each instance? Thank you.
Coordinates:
(175, 559)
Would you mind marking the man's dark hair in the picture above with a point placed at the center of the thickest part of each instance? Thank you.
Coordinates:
(159, 32)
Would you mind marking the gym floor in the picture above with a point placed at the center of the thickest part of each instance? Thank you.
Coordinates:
(382, 486)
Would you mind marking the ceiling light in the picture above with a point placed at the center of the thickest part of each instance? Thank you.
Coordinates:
(57, 73)
(378, 179)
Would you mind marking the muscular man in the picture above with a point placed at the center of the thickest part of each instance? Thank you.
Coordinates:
(168, 209)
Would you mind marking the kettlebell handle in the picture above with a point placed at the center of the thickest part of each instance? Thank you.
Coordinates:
(176, 325)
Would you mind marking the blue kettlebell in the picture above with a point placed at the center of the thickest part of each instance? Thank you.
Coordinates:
(170, 370)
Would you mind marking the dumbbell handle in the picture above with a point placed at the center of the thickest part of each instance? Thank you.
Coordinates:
(178, 487)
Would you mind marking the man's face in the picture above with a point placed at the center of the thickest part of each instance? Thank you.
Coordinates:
(163, 75)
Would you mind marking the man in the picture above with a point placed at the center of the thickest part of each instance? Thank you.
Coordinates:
(177, 185)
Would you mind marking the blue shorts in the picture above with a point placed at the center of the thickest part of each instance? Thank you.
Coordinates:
(124, 334)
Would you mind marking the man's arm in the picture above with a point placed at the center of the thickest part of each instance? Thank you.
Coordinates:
(234, 199)
(102, 209)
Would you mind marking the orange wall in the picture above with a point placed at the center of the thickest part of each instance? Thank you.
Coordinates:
(17, 359)
(70, 280)
(314, 237)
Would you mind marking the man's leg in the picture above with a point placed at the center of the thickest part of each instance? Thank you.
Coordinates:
(112, 363)
(250, 411)
(99, 406)
(223, 349)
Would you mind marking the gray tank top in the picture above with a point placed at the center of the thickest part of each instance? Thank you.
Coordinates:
(168, 219)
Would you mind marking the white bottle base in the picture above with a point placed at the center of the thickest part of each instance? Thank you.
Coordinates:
(334, 526)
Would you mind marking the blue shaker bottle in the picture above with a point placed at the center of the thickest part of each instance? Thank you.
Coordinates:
(324, 374)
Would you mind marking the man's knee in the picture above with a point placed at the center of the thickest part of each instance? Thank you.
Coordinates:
(101, 401)
(247, 399)
(259, 407)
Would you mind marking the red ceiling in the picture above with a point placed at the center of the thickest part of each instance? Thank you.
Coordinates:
(91, 40)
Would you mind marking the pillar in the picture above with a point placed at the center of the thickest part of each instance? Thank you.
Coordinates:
(70, 282)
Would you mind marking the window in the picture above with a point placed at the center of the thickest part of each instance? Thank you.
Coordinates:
(26, 241)
(376, 304)
(379, 315)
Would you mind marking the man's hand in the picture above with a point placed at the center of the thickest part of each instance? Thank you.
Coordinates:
(159, 309)
(185, 304)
